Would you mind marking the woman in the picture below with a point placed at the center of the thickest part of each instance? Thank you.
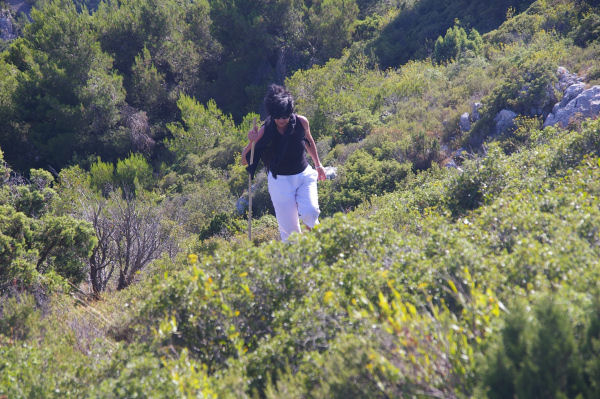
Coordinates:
(282, 143)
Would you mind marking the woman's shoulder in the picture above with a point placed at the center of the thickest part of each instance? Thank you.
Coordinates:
(303, 120)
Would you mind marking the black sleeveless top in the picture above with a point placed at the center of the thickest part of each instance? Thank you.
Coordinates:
(282, 154)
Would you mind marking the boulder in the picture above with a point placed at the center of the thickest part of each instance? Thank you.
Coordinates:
(572, 91)
(584, 105)
(566, 79)
(465, 122)
(504, 121)
(7, 30)
(475, 112)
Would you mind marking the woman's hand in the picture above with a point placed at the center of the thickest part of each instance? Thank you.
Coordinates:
(321, 172)
(254, 134)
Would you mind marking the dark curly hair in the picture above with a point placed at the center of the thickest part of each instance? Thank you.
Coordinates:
(278, 102)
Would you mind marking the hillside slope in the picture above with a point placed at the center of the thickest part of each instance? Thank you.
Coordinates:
(451, 271)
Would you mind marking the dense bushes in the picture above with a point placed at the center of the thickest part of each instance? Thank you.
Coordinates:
(422, 307)
(540, 354)
(588, 30)
(478, 280)
(362, 177)
(105, 79)
(455, 43)
(412, 33)
(38, 248)
(283, 311)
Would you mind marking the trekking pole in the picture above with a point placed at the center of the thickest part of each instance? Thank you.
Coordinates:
(250, 189)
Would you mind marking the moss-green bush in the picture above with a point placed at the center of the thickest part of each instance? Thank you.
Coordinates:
(455, 43)
(361, 177)
(48, 251)
(400, 298)
(540, 354)
(528, 86)
(437, 284)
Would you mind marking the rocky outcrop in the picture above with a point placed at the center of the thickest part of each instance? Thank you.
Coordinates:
(465, 122)
(570, 93)
(584, 105)
(7, 28)
(504, 121)
(577, 102)
(566, 79)
(475, 107)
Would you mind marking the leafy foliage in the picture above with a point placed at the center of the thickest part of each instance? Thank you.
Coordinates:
(362, 177)
(412, 33)
(202, 130)
(37, 247)
(55, 247)
(68, 97)
(540, 357)
(130, 274)
(455, 43)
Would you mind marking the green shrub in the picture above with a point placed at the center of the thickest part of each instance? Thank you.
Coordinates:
(576, 146)
(35, 198)
(18, 316)
(136, 372)
(361, 177)
(479, 182)
(102, 176)
(201, 128)
(56, 247)
(329, 26)
(222, 224)
(265, 229)
(203, 323)
(588, 30)
(590, 350)
(367, 28)
(399, 349)
(132, 172)
(47, 365)
(455, 43)
(201, 202)
(537, 356)
(353, 127)
(148, 87)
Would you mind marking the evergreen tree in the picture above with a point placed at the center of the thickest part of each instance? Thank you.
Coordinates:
(68, 98)
(162, 48)
(202, 127)
(455, 43)
(329, 23)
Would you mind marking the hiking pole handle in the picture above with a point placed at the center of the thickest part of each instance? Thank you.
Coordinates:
(252, 152)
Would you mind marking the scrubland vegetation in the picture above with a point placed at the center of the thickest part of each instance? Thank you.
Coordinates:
(125, 270)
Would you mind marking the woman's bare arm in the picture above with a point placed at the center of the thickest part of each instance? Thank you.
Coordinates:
(311, 148)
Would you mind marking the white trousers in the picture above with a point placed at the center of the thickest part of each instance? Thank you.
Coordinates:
(293, 196)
